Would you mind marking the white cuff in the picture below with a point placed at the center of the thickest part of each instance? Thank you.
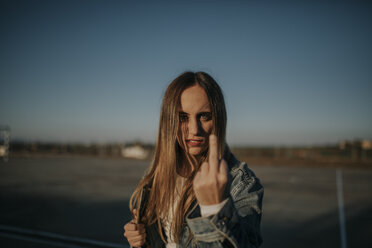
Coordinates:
(208, 210)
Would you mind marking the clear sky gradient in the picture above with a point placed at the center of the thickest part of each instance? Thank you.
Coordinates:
(293, 72)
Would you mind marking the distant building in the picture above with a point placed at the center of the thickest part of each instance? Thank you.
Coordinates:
(4, 142)
(343, 144)
(2, 151)
(363, 144)
(136, 151)
(366, 144)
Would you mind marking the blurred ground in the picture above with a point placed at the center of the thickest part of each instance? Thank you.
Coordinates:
(88, 198)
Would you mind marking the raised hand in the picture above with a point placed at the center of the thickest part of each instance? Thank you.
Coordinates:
(211, 179)
(134, 232)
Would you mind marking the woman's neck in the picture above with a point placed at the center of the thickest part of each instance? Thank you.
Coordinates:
(187, 164)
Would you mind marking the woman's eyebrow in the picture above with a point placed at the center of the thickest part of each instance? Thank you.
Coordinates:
(205, 113)
(201, 112)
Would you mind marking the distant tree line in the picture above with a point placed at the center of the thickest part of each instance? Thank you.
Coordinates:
(48, 148)
(344, 153)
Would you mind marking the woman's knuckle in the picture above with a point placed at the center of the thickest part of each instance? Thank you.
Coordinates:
(196, 183)
(197, 188)
(212, 181)
(222, 178)
(138, 243)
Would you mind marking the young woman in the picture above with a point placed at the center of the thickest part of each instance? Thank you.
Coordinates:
(196, 193)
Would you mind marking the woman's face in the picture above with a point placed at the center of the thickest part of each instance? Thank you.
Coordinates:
(195, 119)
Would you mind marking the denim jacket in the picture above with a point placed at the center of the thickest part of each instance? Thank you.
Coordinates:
(237, 224)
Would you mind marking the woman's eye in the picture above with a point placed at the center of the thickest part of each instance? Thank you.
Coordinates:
(183, 118)
(205, 116)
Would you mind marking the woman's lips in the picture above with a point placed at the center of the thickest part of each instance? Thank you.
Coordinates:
(194, 142)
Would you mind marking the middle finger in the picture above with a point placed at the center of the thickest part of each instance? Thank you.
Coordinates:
(213, 153)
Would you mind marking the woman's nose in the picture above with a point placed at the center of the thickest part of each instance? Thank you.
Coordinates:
(193, 126)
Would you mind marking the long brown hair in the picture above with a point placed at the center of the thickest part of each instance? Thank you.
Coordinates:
(169, 156)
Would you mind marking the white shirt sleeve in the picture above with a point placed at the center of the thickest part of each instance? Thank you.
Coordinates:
(208, 210)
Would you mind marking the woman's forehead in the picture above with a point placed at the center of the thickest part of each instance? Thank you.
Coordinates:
(194, 99)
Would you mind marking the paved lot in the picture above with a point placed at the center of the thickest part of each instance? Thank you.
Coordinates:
(88, 198)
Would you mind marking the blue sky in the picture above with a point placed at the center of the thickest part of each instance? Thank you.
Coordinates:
(293, 72)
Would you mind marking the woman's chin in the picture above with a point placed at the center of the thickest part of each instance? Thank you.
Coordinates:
(195, 151)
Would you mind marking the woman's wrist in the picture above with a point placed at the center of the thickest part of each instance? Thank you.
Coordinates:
(208, 210)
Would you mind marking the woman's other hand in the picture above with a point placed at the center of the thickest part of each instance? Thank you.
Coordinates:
(211, 179)
(134, 232)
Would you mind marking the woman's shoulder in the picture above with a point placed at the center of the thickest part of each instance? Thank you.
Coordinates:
(242, 177)
(236, 167)
(246, 189)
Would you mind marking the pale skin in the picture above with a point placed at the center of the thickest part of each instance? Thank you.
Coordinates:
(210, 181)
